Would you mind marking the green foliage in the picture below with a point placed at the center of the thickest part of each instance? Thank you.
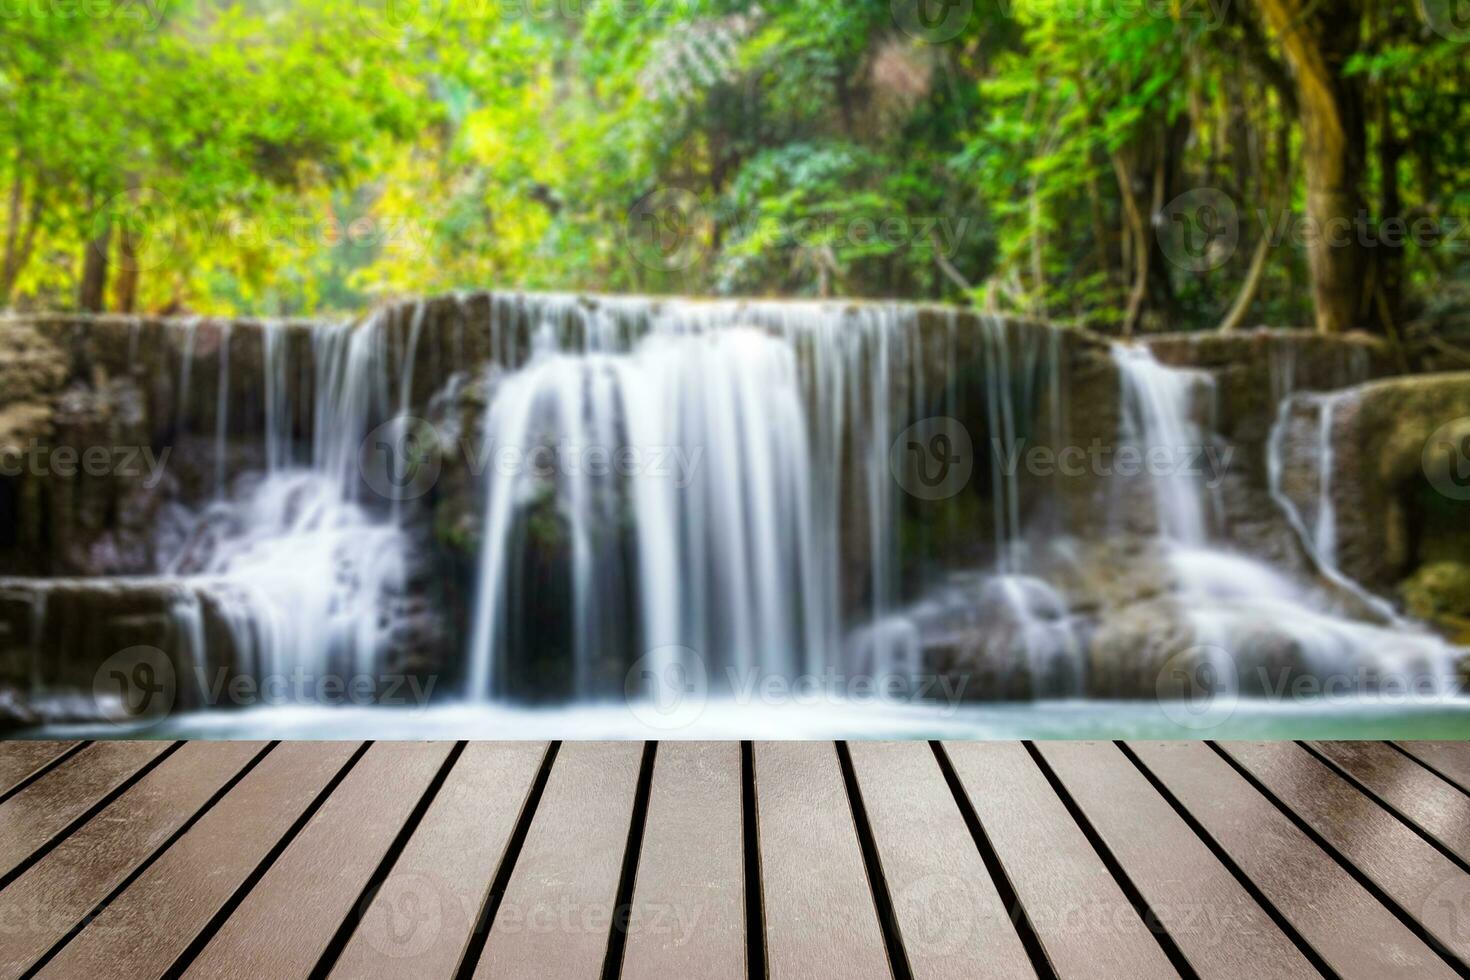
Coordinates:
(292, 156)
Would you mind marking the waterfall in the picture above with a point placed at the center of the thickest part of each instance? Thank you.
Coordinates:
(222, 413)
(1159, 409)
(1320, 539)
(744, 431)
(190, 329)
(1241, 609)
(299, 569)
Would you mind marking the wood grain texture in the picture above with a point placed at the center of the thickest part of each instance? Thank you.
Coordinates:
(1400, 862)
(557, 913)
(1431, 804)
(34, 816)
(145, 930)
(819, 911)
(950, 917)
(1355, 935)
(422, 918)
(688, 912)
(1450, 759)
(54, 894)
(20, 760)
(286, 922)
(1220, 929)
(1086, 924)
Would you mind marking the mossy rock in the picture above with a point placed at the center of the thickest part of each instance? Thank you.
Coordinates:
(1440, 593)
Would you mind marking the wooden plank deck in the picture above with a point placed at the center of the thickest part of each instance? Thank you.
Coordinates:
(681, 860)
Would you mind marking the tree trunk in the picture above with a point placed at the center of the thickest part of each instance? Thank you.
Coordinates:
(125, 287)
(92, 293)
(1317, 39)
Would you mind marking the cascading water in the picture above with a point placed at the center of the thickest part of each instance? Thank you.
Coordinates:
(1235, 603)
(699, 459)
(298, 569)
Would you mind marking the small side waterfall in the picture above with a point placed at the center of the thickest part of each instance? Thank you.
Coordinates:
(299, 569)
(1240, 605)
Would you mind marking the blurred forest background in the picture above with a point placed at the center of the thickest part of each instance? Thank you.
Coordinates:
(1130, 165)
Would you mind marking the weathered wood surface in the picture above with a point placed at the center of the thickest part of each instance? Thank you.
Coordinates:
(723, 860)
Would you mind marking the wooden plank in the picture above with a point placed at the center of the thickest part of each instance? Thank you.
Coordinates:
(1344, 924)
(1450, 759)
(950, 916)
(1085, 923)
(1219, 928)
(1431, 804)
(55, 894)
(143, 932)
(421, 919)
(289, 918)
(688, 912)
(1393, 857)
(819, 911)
(33, 817)
(556, 916)
(20, 760)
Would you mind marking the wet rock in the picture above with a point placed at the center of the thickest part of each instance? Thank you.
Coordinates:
(1400, 500)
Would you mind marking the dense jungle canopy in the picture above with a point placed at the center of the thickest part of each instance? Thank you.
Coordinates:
(1128, 164)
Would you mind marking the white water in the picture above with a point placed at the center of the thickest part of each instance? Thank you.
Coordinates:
(297, 567)
(1245, 613)
(743, 431)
